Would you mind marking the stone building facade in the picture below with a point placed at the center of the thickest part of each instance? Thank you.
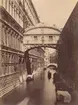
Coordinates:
(68, 50)
(15, 16)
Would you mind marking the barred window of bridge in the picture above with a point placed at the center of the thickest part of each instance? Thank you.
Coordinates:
(50, 37)
(35, 37)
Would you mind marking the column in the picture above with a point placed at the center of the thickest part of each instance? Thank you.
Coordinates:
(10, 58)
(18, 15)
(12, 5)
(16, 40)
(7, 62)
(7, 5)
(0, 49)
(11, 38)
(11, 63)
(21, 19)
(4, 71)
(19, 43)
(10, 8)
(2, 62)
(3, 33)
(13, 9)
(7, 36)
(15, 13)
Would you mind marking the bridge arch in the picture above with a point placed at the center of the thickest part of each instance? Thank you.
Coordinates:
(39, 36)
(40, 46)
(43, 27)
(27, 56)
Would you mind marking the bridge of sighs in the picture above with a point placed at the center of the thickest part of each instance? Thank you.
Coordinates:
(40, 36)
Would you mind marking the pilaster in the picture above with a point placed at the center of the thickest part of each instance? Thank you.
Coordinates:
(0, 47)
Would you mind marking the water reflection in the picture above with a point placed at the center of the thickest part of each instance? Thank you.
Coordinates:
(48, 94)
(43, 90)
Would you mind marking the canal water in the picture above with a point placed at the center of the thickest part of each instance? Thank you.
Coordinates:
(42, 90)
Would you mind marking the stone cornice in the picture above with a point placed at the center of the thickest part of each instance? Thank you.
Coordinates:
(11, 27)
(42, 34)
(11, 50)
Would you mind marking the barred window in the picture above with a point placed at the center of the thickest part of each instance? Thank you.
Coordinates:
(50, 37)
(35, 37)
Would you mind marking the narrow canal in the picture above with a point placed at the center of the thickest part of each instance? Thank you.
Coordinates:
(42, 90)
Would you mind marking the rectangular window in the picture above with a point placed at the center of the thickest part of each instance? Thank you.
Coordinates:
(35, 37)
(50, 37)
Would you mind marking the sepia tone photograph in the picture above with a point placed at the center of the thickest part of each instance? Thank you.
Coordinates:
(38, 52)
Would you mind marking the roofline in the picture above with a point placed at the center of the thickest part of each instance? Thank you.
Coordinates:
(41, 34)
(69, 17)
(30, 2)
(24, 11)
(43, 27)
(34, 11)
